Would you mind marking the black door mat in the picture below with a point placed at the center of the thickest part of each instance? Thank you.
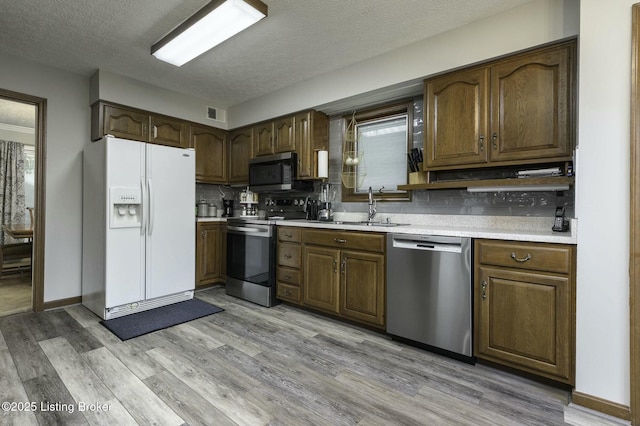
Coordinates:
(145, 322)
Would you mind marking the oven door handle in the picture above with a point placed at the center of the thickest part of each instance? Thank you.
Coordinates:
(246, 230)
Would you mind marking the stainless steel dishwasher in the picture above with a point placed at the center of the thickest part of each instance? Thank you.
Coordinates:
(429, 291)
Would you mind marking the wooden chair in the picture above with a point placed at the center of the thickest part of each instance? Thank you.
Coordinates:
(15, 258)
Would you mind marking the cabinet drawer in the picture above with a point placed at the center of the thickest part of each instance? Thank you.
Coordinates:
(533, 256)
(290, 234)
(289, 255)
(288, 275)
(349, 240)
(288, 292)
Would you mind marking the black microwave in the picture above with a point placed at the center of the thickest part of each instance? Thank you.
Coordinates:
(276, 172)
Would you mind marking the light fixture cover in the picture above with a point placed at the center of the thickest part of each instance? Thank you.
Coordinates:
(210, 26)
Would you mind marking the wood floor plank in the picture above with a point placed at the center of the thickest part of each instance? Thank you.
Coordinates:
(84, 385)
(228, 338)
(27, 355)
(74, 333)
(143, 405)
(232, 404)
(55, 404)
(82, 315)
(192, 336)
(82, 382)
(12, 390)
(379, 395)
(290, 380)
(188, 404)
(130, 354)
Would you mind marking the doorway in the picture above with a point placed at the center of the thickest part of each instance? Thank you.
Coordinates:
(22, 148)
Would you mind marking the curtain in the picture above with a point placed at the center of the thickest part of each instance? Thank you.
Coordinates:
(12, 207)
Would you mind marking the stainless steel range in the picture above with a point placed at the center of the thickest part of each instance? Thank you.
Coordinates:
(251, 250)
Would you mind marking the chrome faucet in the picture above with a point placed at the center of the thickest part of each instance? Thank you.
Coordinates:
(372, 205)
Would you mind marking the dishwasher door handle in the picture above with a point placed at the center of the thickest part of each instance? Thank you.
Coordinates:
(427, 246)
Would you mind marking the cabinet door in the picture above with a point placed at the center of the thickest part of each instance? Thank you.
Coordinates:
(124, 123)
(456, 118)
(211, 148)
(263, 139)
(321, 278)
(168, 131)
(531, 104)
(524, 321)
(284, 140)
(207, 253)
(303, 135)
(240, 151)
(363, 287)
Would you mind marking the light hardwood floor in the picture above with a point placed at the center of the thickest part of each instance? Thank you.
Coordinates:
(15, 294)
(253, 365)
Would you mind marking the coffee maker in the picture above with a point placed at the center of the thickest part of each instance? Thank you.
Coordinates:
(227, 208)
(326, 197)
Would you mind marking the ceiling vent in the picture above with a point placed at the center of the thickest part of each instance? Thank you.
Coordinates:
(216, 114)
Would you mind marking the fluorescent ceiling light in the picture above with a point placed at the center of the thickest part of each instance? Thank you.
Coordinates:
(210, 26)
(518, 188)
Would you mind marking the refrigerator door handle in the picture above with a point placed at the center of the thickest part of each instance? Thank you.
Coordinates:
(143, 216)
(151, 209)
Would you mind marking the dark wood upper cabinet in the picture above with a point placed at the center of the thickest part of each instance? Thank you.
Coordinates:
(210, 144)
(515, 110)
(240, 151)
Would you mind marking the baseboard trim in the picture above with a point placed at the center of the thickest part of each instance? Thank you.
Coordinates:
(602, 405)
(62, 302)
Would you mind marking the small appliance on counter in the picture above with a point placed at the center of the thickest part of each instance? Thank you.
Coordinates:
(227, 206)
(326, 197)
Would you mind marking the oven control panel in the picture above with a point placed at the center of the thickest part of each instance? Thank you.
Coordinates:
(286, 206)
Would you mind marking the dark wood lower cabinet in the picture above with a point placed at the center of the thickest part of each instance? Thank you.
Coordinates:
(524, 314)
(209, 252)
(337, 277)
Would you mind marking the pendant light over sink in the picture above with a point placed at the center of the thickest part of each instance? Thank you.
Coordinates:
(216, 22)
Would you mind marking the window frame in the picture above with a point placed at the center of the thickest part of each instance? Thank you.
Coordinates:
(377, 113)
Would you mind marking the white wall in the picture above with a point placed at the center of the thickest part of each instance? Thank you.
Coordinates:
(67, 130)
(602, 200)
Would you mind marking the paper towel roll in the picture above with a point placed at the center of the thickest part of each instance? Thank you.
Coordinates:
(323, 164)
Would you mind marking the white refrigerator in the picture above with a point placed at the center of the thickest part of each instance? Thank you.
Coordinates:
(138, 226)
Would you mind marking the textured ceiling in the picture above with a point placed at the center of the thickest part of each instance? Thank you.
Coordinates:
(299, 39)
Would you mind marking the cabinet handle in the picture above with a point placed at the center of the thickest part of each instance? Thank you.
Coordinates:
(287, 277)
(339, 240)
(495, 141)
(287, 292)
(335, 265)
(343, 267)
(288, 235)
(287, 256)
(155, 132)
(144, 130)
(481, 142)
(203, 234)
(484, 289)
(522, 259)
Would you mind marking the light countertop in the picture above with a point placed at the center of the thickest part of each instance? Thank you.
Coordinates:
(533, 229)
(514, 228)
